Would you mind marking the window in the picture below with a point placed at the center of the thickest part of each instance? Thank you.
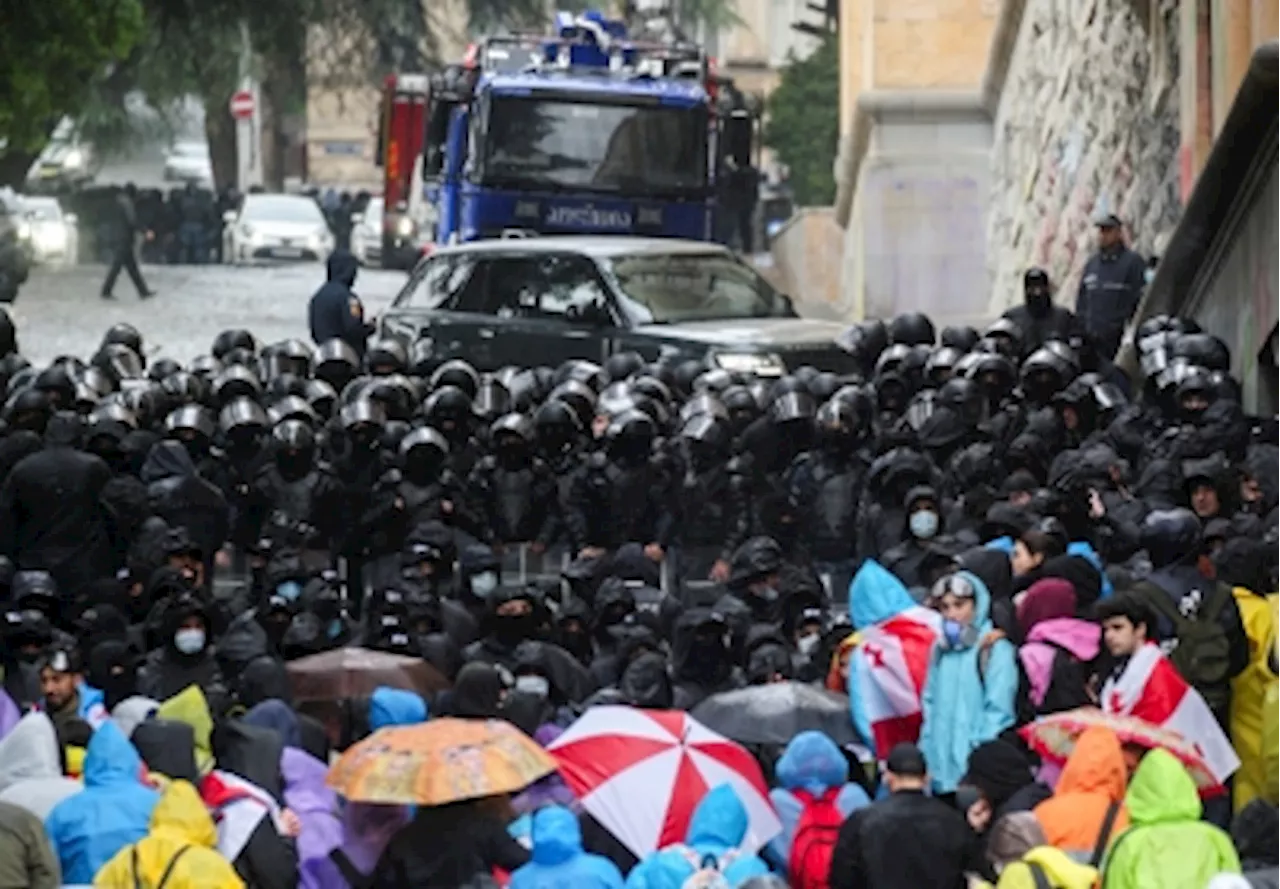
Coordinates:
(551, 286)
(439, 281)
(663, 288)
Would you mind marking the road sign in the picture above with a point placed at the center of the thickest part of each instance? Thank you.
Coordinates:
(242, 105)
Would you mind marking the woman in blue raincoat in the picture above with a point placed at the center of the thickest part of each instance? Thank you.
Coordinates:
(969, 695)
(558, 859)
(716, 830)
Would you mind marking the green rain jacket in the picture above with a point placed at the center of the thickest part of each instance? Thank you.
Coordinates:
(1167, 846)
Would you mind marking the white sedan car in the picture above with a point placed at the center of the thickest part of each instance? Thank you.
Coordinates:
(188, 162)
(366, 234)
(50, 232)
(276, 226)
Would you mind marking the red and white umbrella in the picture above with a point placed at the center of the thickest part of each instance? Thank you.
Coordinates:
(641, 773)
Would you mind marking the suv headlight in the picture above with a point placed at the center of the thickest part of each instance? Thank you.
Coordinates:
(404, 227)
(761, 364)
(74, 158)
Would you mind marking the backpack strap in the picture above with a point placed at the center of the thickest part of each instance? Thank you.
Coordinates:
(173, 862)
(133, 863)
(1038, 876)
(1157, 598)
(1100, 847)
(355, 879)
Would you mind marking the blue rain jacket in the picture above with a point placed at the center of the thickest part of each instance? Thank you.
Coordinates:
(814, 763)
(558, 861)
(394, 706)
(114, 809)
(718, 824)
(875, 595)
(964, 707)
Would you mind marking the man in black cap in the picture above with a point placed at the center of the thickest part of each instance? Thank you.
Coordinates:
(1038, 318)
(907, 839)
(1110, 287)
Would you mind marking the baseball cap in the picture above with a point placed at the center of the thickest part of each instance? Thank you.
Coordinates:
(905, 759)
(1107, 220)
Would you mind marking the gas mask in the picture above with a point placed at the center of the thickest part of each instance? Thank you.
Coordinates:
(958, 635)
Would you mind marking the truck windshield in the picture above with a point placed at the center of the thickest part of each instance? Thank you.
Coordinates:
(609, 147)
(656, 288)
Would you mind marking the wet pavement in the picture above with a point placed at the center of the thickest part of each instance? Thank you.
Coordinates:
(59, 311)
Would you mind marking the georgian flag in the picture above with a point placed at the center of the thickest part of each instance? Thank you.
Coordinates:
(889, 666)
(1152, 689)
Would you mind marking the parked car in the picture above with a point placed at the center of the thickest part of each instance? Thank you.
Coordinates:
(366, 233)
(276, 226)
(547, 300)
(50, 232)
(65, 160)
(15, 262)
(188, 161)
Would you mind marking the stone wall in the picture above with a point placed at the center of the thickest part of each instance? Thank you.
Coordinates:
(1086, 122)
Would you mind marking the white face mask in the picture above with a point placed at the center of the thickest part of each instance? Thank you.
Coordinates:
(533, 685)
(484, 583)
(189, 641)
(807, 645)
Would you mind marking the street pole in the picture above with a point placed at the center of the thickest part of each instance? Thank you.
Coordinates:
(248, 129)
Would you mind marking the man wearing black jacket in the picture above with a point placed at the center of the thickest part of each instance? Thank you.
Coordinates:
(908, 840)
(1038, 319)
(125, 254)
(335, 311)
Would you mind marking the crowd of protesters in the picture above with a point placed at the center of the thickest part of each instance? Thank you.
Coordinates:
(646, 534)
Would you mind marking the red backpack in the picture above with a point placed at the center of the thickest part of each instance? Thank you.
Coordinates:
(814, 842)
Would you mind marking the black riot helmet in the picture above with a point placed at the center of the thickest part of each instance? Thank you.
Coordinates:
(336, 363)
(190, 423)
(792, 406)
(57, 386)
(703, 403)
(1203, 350)
(579, 397)
(242, 422)
(996, 374)
(1195, 390)
(386, 356)
(363, 422)
(163, 367)
(965, 397)
(629, 437)
(511, 437)
(1005, 337)
(119, 361)
(182, 388)
(756, 559)
(322, 397)
(287, 357)
(706, 439)
(963, 337)
(653, 388)
(395, 393)
(284, 385)
(740, 406)
(1171, 536)
(556, 427)
(911, 329)
(229, 341)
(835, 427)
(492, 400)
(423, 453)
(294, 447)
(293, 407)
(450, 410)
(941, 364)
(1044, 373)
(28, 409)
(237, 381)
(685, 373)
(459, 374)
(125, 335)
(622, 365)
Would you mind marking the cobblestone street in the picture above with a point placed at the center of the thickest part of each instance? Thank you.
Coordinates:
(59, 310)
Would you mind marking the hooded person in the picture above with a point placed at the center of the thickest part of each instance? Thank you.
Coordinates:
(1254, 832)
(1059, 648)
(716, 831)
(367, 828)
(132, 712)
(454, 846)
(969, 694)
(183, 499)
(811, 770)
(702, 658)
(923, 508)
(997, 782)
(51, 516)
(1087, 811)
(335, 312)
(113, 810)
(315, 805)
(558, 859)
(185, 657)
(1019, 853)
(113, 670)
(646, 682)
(477, 693)
(31, 767)
(26, 859)
(1167, 844)
(178, 851)
(168, 748)
(395, 706)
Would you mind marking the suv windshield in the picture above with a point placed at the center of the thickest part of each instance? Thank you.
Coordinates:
(615, 148)
(662, 289)
(281, 208)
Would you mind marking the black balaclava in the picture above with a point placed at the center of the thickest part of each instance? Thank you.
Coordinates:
(113, 670)
(477, 692)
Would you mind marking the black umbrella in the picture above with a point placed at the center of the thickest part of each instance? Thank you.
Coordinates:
(777, 712)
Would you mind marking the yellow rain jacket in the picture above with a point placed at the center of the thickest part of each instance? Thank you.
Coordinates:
(190, 706)
(1260, 617)
(180, 826)
(1062, 872)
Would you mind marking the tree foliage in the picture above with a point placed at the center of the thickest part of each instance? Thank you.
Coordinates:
(50, 53)
(803, 123)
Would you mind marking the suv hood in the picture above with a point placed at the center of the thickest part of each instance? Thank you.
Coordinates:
(754, 334)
